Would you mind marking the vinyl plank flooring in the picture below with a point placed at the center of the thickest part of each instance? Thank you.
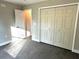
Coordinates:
(35, 50)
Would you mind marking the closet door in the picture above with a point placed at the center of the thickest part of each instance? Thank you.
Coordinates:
(69, 19)
(57, 25)
(45, 25)
(64, 26)
(58, 35)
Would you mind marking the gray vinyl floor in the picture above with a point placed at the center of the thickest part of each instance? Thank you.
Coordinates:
(28, 49)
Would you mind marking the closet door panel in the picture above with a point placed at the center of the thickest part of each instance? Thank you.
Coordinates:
(69, 24)
(64, 26)
(52, 28)
(58, 27)
(45, 26)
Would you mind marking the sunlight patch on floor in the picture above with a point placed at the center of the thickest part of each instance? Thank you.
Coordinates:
(15, 47)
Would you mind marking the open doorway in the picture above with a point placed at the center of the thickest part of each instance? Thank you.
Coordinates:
(23, 22)
(28, 21)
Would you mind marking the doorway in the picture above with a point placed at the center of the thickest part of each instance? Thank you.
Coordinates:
(23, 22)
(28, 21)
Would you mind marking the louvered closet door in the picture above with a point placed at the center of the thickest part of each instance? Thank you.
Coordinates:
(57, 25)
(64, 26)
(46, 25)
(52, 29)
(69, 19)
(58, 36)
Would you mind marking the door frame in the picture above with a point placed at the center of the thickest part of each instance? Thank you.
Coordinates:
(39, 21)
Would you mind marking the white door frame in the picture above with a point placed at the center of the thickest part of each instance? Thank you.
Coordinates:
(39, 20)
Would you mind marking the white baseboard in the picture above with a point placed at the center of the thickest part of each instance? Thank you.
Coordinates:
(36, 40)
(75, 51)
(1, 44)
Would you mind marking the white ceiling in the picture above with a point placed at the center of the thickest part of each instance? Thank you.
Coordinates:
(25, 2)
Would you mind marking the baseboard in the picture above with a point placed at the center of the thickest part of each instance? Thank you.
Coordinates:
(36, 40)
(75, 51)
(2, 44)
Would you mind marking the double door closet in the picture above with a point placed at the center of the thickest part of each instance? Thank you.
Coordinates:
(58, 25)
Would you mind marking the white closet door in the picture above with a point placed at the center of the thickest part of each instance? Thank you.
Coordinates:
(68, 25)
(45, 26)
(64, 26)
(57, 25)
(58, 36)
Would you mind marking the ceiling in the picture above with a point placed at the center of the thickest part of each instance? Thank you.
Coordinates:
(24, 2)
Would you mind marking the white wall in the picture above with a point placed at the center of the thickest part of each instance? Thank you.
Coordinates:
(6, 21)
